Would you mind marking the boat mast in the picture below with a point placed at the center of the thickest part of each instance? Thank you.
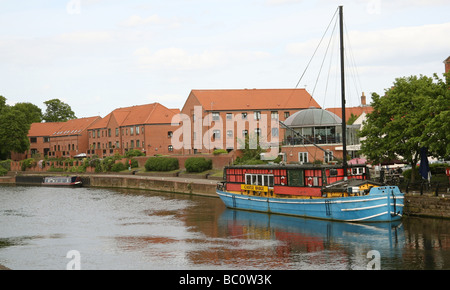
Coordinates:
(344, 126)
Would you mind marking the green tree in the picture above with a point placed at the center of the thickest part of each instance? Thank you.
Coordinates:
(2, 103)
(408, 117)
(58, 111)
(33, 113)
(14, 129)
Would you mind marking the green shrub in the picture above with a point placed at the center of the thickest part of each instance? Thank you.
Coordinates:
(6, 164)
(3, 171)
(134, 152)
(134, 163)
(197, 164)
(118, 166)
(28, 163)
(161, 164)
(220, 151)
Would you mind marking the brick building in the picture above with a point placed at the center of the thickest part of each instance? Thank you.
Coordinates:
(447, 64)
(71, 138)
(223, 118)
(57, 139)
(145, 127)
(39, 137)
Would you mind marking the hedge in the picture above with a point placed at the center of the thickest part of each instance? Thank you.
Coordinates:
(197, 164)
(118, 166)
(161, 164)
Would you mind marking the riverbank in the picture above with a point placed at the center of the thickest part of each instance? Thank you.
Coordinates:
(184, 183)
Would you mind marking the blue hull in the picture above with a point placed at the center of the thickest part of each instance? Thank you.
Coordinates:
(382, 204)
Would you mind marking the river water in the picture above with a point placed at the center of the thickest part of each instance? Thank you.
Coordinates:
(88, 228)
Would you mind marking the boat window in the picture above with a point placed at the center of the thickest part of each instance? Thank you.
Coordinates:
(260, 180)
(295, 178)
(333, 172)
(248, 179)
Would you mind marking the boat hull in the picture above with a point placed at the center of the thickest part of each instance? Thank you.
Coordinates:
(382, 204)
(59, 181)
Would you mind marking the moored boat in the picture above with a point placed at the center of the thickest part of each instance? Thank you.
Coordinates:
(62, 181)
(311, 191)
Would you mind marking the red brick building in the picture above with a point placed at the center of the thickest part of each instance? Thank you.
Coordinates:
(145, 127)
(447, 64)
(57, 139)
(39, 137)
(71, 138)
(222, 118)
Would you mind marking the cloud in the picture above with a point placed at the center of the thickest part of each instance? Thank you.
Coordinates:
(136, 20)
(180, 59)
(390, 46)
(86, 37)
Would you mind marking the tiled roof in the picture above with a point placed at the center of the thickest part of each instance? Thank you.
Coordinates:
(43, 129)
(154, 113)
(357, 111)
(254, 99)
(75, 126)
(71, 127)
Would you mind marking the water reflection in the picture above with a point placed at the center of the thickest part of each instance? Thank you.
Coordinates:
(315, 244)
(130, 229)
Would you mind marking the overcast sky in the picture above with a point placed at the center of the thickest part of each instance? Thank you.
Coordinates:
(98, 55)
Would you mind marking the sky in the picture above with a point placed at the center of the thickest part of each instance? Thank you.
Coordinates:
(99, 55)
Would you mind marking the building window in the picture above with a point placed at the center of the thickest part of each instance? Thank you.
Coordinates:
(274, 115)
(137, 130)
(244, 133)
(230, 134)
(109, 132)
(132, 143)
(216, 134)
(274, 132)
(33, 140)
(170, 148)
(216, 116)
(286, 115)
(303, 157)
(244, 115)
(138, 143)
(131, 130)
(169, 134)
(117, 144)
(257, 115)
(257, 132)
(229, 116)
(117, 132)
(328, 156)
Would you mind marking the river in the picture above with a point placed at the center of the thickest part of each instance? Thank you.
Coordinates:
(91, 228)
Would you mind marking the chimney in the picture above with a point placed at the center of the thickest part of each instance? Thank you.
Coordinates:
(447, 64)
(363, 99)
